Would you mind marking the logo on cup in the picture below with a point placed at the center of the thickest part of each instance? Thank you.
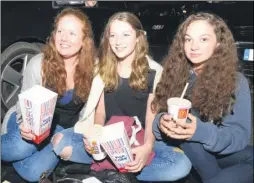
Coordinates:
(95, 148)
(182, 113)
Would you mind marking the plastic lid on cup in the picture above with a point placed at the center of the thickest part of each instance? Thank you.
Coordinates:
(179, 102)
(93, 131)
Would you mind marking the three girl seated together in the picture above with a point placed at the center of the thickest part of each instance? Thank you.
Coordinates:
(122, 79)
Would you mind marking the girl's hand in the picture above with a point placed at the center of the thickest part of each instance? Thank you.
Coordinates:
(179, 129)
(141, 155)
(25, 132)
(166, 124)
(87, 146)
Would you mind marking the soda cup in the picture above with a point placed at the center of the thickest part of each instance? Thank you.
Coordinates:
(92, 133)
(178, 108)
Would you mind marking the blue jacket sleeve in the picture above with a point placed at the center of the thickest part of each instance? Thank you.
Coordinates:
(234, 133)
(156, 130)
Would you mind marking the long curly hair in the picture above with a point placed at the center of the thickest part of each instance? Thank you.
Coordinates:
(214, 88)
(107, 66)
(53, 70)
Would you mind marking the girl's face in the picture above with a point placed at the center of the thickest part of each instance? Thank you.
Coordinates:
(122, 39)
(200, 42)
(69, 36)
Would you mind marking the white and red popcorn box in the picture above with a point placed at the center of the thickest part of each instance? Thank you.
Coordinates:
(37, 108)
(115, 142)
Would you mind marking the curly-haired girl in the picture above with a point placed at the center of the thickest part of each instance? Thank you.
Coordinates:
(204, 54)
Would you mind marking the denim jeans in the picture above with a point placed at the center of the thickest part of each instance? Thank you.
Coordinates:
(232, 168)
(30, 160)
(169, 164)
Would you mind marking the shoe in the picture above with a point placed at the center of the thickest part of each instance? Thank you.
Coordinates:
(9, 174)
(113, 176)
(76, 168)
(69, 180)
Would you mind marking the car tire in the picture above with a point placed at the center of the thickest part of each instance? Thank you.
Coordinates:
(6, 119)
(13, 62)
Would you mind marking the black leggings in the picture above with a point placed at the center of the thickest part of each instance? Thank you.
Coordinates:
(212, 168)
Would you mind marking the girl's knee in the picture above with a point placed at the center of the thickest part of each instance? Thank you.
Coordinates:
(31, 177)
(248, 155)
(178, 171)
(185, 166)
(16, 151)
(29, 173)
(56, 139)
(60, 147)
(180, 167)
(175, 165)
(66, 153)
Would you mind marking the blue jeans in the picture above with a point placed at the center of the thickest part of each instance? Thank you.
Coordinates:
(169, 164)
(233, 168)
(29, 160)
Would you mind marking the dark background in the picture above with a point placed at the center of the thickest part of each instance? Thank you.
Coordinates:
(31, 22)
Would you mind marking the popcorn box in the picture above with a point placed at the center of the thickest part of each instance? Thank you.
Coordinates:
(115, 141)
(37, 107)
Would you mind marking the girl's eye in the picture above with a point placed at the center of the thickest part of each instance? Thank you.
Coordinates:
(187, 39)
(73, 34)
(58, 31)
(112, 35)
(204, 39)
(126, 35)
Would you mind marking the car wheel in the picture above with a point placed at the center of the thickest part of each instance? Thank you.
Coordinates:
(13, 63)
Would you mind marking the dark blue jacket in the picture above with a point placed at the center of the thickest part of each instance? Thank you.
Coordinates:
(234, 133)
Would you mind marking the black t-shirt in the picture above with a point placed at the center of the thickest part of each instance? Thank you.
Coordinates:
(67, 110)
(125, 101)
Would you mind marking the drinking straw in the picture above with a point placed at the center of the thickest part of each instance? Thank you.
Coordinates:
(184, 90)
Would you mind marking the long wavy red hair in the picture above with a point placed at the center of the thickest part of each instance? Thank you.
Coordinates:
(53, 71)
(214, 88)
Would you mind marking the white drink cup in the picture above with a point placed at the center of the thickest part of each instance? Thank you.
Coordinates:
(92, 134)
(178, 108)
